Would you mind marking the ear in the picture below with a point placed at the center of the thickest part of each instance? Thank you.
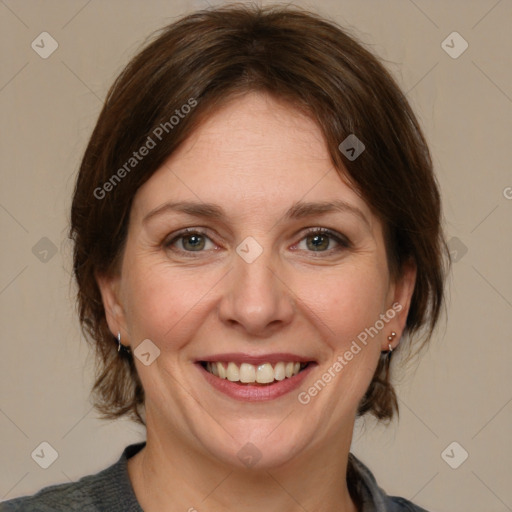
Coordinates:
(399, 302)
(114, 310)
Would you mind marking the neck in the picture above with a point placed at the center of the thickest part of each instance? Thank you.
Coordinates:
(167, 474)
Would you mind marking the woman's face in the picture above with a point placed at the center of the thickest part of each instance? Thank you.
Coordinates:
(247, 249)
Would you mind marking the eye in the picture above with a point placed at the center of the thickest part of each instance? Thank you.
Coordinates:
(323, 240)
(190, 240)
(316, 240)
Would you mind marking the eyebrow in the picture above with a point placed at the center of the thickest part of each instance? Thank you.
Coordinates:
(299, 210)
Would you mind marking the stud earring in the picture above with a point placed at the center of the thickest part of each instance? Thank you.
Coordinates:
(391, 337)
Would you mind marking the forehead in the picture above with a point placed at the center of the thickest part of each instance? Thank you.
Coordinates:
(255, 153)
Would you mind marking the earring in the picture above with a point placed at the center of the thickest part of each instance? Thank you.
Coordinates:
(391, 337)
(120, 345)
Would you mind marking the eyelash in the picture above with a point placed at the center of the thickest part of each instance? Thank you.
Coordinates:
(341, 240)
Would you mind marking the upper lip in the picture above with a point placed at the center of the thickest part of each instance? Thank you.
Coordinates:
(239, 358)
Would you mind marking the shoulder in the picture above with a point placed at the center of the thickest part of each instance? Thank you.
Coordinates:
(72, 496)
(402, 505)
(92, 493)
(371, 497)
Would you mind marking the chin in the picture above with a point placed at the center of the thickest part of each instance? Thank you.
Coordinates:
(257, 448)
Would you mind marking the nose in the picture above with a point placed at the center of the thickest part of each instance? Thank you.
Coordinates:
(256, 300)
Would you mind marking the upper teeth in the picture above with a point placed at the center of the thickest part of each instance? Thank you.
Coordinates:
(247, 373)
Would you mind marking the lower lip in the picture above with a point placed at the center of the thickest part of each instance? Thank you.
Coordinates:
(258, 393)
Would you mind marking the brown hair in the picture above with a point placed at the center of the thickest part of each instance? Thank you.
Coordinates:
(204, 59)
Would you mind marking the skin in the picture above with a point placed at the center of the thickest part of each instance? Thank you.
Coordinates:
(255, 158)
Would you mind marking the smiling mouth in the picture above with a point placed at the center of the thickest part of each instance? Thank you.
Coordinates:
(259, 375)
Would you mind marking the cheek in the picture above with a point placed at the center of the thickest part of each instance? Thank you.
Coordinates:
(348, 309)
(346, 301)
(162, 303)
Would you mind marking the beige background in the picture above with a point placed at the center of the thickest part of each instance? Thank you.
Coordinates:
(461, 389)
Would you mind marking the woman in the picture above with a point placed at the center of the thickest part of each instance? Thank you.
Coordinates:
(257, 231)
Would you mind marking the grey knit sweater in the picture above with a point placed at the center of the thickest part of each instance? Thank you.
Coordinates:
(110, 490)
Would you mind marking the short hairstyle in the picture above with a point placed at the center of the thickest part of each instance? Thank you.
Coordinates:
(204, 60)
